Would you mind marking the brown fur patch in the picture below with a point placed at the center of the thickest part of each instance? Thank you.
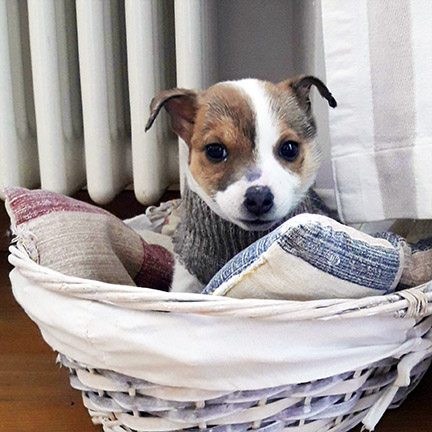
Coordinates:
(294, 124)
(225, 116)
(182, 106)
(307, 162)
(297, 164)
(288, 110)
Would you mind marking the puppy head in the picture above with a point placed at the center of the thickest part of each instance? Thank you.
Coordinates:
(252, 155)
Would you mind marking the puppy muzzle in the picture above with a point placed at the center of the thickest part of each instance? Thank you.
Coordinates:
(259, 200)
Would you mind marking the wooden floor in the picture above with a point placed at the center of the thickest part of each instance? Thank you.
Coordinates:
(35, 395)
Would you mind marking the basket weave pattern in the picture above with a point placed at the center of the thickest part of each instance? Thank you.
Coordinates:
(338, 403)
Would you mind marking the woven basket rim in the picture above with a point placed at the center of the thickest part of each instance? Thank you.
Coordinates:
(410, 302)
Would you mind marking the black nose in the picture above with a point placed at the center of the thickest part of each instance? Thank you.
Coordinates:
(258, 200)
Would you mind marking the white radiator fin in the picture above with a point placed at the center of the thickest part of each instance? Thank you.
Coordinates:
(195, 50)
(18, 148)
(56, 94)
(107, 146)
(150, 51)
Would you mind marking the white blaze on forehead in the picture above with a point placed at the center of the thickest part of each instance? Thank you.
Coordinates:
(267, 133)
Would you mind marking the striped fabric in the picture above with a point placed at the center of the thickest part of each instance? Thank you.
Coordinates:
(82, 240)
(379, 67)
(312, 257)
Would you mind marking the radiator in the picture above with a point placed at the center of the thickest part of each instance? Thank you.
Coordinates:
(76, 80)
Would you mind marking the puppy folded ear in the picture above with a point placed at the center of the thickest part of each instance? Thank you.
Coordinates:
(301, 86)
(182, 106)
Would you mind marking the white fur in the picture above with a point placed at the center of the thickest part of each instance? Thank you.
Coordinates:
(183, 281)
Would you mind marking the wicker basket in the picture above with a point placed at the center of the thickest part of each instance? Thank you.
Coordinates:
(188, 395)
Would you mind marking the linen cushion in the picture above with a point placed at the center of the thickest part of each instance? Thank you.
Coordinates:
(82, 240)
(418, 268)
(312, 257)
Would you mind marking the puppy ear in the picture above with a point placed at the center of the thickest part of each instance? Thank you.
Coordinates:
(182, 106)
(301, 86)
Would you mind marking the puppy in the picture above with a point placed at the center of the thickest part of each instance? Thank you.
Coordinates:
(252, 161)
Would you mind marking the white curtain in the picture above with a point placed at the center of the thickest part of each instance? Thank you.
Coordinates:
(378, 57)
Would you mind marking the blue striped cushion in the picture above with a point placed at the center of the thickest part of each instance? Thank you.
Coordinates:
(324, 258)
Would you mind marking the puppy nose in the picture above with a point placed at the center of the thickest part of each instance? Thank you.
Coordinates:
(258, 200)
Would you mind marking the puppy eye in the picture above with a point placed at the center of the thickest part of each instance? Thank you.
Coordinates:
(289, 150)
(216, 152)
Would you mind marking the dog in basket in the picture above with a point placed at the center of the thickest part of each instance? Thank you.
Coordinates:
(252, 159)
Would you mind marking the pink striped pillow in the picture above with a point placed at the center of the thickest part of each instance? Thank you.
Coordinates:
(79, 239)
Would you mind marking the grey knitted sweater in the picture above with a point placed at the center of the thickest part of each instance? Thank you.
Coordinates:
(204, 242)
